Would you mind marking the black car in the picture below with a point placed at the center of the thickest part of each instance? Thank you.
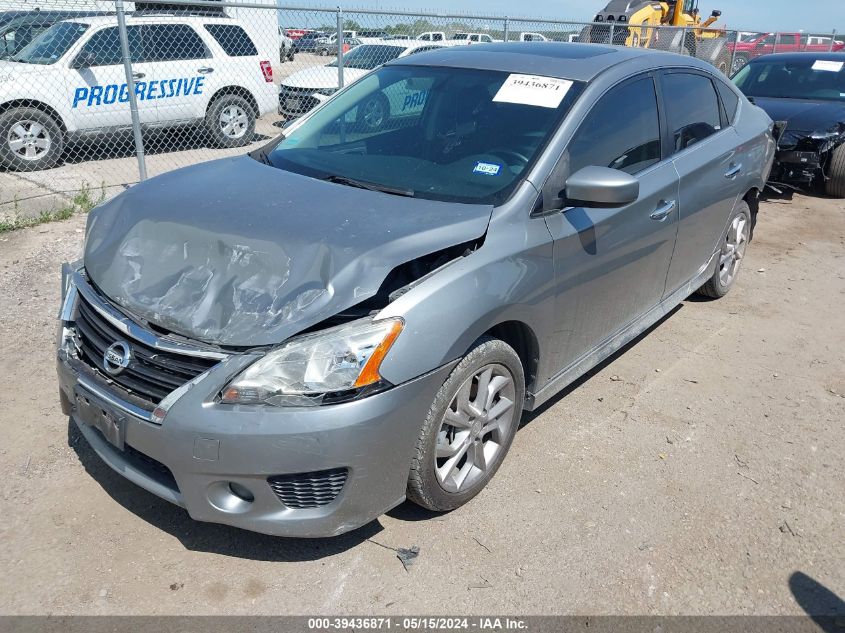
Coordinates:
(308, 43)
(804, 93)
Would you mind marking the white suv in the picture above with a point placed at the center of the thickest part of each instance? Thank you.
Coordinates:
(70, 82)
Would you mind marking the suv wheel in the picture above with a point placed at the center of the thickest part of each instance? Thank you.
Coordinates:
(30, 140)
(469, 427)
(734, 245)
(230, 121)
(374, 112)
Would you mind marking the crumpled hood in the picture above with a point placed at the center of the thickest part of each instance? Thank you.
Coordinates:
(804, 116)
(235, 252)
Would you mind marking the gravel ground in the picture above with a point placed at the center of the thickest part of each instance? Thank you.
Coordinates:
(694, 473)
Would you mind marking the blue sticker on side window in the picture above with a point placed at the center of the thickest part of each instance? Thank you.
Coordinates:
(487, 169)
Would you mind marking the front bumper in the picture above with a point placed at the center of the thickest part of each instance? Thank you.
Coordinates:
(202, 447)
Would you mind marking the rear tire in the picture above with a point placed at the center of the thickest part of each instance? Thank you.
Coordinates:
(230, 121)
(461, 446)
(835, 185)
(740, 60)
(30, 140)
(734, 244)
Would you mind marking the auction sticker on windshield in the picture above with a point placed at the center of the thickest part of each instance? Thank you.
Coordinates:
(544, 92)
(830, 66)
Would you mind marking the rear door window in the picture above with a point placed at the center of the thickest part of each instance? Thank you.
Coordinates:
(173, 42)
(692, 108)
(232, 39)
(622, 131)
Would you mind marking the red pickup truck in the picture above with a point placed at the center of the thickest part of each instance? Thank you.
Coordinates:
(756, 44)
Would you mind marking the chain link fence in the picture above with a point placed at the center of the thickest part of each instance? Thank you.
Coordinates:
(99, 94)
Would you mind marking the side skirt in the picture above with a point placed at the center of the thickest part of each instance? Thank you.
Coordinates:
(613, 344)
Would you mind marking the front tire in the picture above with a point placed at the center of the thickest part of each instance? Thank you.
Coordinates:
(734, 245)
(30, 140)
(469, 427)
(835, 185)
(230, 121)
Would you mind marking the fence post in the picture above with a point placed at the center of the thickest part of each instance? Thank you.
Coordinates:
(684, 43)
(507, 29)
(733, 53)
(775, 47)
(612, 25)
(340, 47)
(832, 41)
(130, 85)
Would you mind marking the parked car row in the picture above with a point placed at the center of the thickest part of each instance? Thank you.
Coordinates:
(70, 85)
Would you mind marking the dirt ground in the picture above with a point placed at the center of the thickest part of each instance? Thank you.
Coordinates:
(700, 471)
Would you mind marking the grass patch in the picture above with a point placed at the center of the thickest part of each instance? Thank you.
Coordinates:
(82, 202)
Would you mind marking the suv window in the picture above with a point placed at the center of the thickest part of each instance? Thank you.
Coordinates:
(692, 107)
(173, 42)
(622, 131)
(104, 47)
(232, 39)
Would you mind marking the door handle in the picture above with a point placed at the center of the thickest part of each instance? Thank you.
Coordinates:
(663, 211)
(734, 171)
(138, 75)
(205, 70)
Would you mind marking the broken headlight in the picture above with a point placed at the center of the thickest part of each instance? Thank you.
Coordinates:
(308, 368)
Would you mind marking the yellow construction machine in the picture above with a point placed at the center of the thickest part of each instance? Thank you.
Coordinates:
(634, 22)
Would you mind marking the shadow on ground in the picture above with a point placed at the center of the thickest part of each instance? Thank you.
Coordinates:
(820, 603)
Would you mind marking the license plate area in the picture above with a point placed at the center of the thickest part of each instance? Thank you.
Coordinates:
(95, 413)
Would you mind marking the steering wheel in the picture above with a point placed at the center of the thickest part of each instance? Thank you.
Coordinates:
(504, 152)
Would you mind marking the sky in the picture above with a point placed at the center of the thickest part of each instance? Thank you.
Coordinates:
(750, 15)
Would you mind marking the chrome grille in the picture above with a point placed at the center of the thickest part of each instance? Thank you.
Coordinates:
(151, 374)
(309, 490)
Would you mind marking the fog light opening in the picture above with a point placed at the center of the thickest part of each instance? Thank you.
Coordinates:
(241, 492)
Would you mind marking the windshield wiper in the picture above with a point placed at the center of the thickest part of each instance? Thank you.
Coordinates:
(370, 186)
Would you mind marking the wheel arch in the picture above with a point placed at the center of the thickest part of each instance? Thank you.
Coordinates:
(37, 105)
(752, 199)
(234, 90)
(523, 340)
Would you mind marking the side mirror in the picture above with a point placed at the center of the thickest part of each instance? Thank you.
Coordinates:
(85, 59)
(601, 187)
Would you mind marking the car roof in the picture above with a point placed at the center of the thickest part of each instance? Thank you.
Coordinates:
(143, 18)
(800, 57)
(575, 61)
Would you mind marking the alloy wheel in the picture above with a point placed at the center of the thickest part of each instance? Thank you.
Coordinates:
(234, 121)
(29, 140)
(734, 250)
(474, 427)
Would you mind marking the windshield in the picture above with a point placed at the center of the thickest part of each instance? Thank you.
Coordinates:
(52, 44)
(438, 133)
(369, 56)
(805, 79)
(750, 37)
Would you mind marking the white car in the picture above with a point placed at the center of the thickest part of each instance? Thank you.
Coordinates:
(70, 82)
(472, 38)
(306, 89)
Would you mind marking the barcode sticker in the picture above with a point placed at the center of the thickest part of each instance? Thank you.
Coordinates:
(544, 92)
